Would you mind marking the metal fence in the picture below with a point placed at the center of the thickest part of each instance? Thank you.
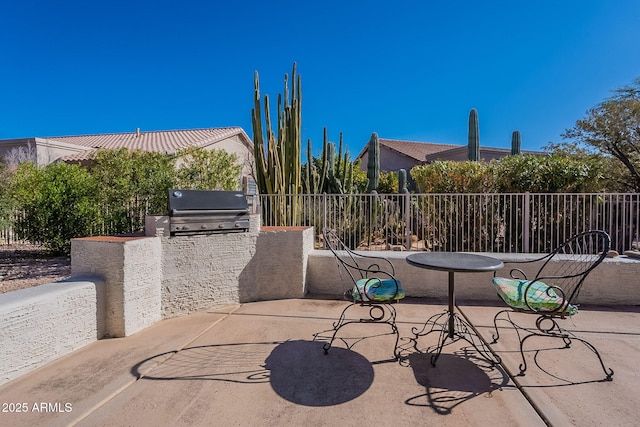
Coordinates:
(518, 222)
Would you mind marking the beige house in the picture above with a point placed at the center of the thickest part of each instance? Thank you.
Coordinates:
(397, 154)
(79, 148)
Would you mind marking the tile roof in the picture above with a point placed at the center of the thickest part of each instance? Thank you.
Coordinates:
(161, 141)
(414, 149)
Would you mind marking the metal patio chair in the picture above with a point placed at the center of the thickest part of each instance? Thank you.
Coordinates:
(552, 293)
(371, 284)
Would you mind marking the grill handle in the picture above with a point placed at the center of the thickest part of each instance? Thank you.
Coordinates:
(179, 212)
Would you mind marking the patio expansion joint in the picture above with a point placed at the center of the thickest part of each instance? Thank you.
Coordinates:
(512, 377)
(170, 354)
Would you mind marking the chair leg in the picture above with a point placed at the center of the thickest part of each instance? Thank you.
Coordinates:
(336, 327)
(496, 336)
(378, 313)
(553, 331)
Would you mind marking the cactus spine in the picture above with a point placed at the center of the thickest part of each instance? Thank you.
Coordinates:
(373, 163)
(474, 136)
(515, 142)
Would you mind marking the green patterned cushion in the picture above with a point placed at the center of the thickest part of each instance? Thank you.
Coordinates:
(540, 296)
(377, 290)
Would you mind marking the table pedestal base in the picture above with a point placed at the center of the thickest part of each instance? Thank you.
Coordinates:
(453, 327)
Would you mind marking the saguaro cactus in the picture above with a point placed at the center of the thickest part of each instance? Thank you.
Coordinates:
(474, 136)
(402, 180)
(373, 163)
(515, 142)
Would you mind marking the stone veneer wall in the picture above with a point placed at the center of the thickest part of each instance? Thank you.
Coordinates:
(279, 268)
(201, 271)
(41, 324)
(130, 268)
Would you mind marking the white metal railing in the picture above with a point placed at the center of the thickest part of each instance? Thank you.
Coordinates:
(487, 222)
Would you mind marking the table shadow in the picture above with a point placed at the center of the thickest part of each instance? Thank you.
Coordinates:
(301, 373)
(456, 379)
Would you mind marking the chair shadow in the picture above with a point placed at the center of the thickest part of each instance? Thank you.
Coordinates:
(544, 357)
(353, 339)
(456, 379)
(237, 363)
(297, 371)
(553, 371)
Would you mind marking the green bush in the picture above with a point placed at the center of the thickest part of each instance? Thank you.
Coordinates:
(548, 174)
(512, 174)
(208, 170)
(388, 183)
(6, 202)
(454, 177)
(58, 203)
(132, 184)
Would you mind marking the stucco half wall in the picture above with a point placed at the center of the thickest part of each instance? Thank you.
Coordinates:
(615, 281)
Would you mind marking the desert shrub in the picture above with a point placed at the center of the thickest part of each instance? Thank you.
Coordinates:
(454, 177)
(58, 204)
(512, 174)
(131, 184)
(201, 169)
(388, 183)
(6, 202)
(548, 174)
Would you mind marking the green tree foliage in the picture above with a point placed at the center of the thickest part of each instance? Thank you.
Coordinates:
(201, 169)
(613, 128)
(132, 183)
(58, 202)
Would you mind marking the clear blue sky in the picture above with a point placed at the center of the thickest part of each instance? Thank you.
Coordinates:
(404, 69)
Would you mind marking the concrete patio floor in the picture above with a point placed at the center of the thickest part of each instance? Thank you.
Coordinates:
(258, 364)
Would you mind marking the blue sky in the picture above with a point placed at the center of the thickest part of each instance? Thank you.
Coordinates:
(405, 69)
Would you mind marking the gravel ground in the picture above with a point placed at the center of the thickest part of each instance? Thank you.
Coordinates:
(24, 266)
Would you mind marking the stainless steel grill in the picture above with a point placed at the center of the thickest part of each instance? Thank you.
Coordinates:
(207, 212)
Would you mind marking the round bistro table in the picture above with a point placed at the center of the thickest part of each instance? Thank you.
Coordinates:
(455, 326)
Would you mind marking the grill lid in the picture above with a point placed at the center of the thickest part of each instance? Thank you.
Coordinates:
(205, 212)
(197, 202)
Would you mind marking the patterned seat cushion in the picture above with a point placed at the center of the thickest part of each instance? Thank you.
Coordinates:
(540, 296)
(377, 290)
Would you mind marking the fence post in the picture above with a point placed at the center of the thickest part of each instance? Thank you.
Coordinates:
(407, 218)
(324, 215)
(526, 222)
